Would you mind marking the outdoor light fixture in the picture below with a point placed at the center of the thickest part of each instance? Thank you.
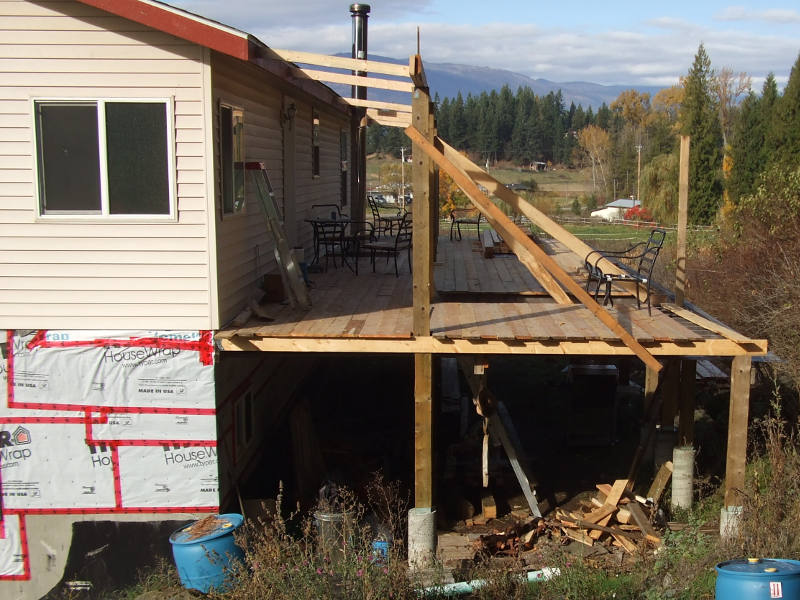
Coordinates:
(287, 115)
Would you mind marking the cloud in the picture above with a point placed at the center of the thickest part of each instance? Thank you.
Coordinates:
(653, 52)
(770, 15)
(249, 15)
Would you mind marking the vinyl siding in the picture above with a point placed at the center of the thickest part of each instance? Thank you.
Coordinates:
(245, 250)
(99, 273)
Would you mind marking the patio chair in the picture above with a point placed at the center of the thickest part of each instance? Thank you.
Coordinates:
(383, 223)
(400, 243)
(465, 216)
(636, 262)
(361, 234)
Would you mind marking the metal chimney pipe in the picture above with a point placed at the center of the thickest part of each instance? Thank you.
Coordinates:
(360, 14)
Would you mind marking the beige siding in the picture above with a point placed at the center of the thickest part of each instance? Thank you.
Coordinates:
(98, 273)
(245, 250)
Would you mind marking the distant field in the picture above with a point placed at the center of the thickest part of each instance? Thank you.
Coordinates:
(558, 183)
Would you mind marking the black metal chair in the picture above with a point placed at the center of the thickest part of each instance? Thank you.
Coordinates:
(329, 237)
(383, 223)
(465, 216)
(400, 243)
(636, 263)
(361, 234)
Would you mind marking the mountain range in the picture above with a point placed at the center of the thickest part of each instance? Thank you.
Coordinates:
(448, 79)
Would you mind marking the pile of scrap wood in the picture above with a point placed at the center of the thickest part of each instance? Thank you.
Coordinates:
(614, 516)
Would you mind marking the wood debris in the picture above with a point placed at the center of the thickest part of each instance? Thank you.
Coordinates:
(604, 520)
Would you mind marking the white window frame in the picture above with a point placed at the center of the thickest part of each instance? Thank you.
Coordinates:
(104, 214)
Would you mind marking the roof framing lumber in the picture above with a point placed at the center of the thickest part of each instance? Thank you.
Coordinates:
(515, 236)
(521, 205)
(433, 345)
(517, 241)
(388, 119)
(339, 62)
(366, 102)
(370, 82)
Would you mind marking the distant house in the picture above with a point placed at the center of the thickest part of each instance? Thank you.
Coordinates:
(616, 209)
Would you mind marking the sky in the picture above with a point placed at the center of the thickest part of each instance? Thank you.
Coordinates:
(619, 43)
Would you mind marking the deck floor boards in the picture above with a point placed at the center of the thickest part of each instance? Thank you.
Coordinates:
(489, 299)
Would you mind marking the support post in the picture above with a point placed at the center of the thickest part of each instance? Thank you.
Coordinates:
(683, 217)
(686, 403)
(422, 538)
(737, 443)
(665, 437)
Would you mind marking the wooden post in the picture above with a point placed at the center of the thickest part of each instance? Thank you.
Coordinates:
(421, 250)
(737, 430)
(422, 276)
(423, 431)
(650, 386)
(669, 391)
(683, 217)
(686, 403)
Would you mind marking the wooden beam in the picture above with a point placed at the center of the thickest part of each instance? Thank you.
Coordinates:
(370, 82)
(513, 234)
(421, 250)
(683, 217)
(400, 120)
(423, 430)
(686, 403)
(339, 62)
(429, 344)
(650, 386)
(368, 103)
(417, 72)
(517, 241)
(737, 430)
(717, 328)
(660, 482)
(521, 205)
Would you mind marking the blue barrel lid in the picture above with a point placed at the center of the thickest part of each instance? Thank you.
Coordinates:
(222, 525)
(763, 567)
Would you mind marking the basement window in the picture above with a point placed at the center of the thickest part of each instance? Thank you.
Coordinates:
(104, 157)
(231, 141)
(314, 143)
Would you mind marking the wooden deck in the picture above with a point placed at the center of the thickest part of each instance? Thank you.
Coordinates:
(482, 306)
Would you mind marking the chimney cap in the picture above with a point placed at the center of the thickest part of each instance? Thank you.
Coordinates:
(362, 9)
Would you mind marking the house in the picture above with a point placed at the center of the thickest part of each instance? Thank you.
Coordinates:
(129, 233)
(130, 397)
(616, 209)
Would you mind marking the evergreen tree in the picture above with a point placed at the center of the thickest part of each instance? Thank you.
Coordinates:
(699, 120)
(787, 124)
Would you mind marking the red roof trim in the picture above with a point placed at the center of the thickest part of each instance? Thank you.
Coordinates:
(178, 25)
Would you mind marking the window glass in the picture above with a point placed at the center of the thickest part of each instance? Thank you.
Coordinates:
(231, 137)
(105, 157)
(136, 144)
(68, 157)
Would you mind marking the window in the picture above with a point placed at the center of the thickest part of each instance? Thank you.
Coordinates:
(314, 143)
(231, 141)
(104, 157)
(343, 147)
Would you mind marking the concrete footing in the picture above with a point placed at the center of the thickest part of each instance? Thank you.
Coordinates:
(729, 520)
(682, 476)
(421, 537)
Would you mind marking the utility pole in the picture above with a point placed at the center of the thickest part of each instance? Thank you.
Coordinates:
(638, 171)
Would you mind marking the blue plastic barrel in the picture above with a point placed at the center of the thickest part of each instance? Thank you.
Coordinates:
(758, 578)
(206, 562)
